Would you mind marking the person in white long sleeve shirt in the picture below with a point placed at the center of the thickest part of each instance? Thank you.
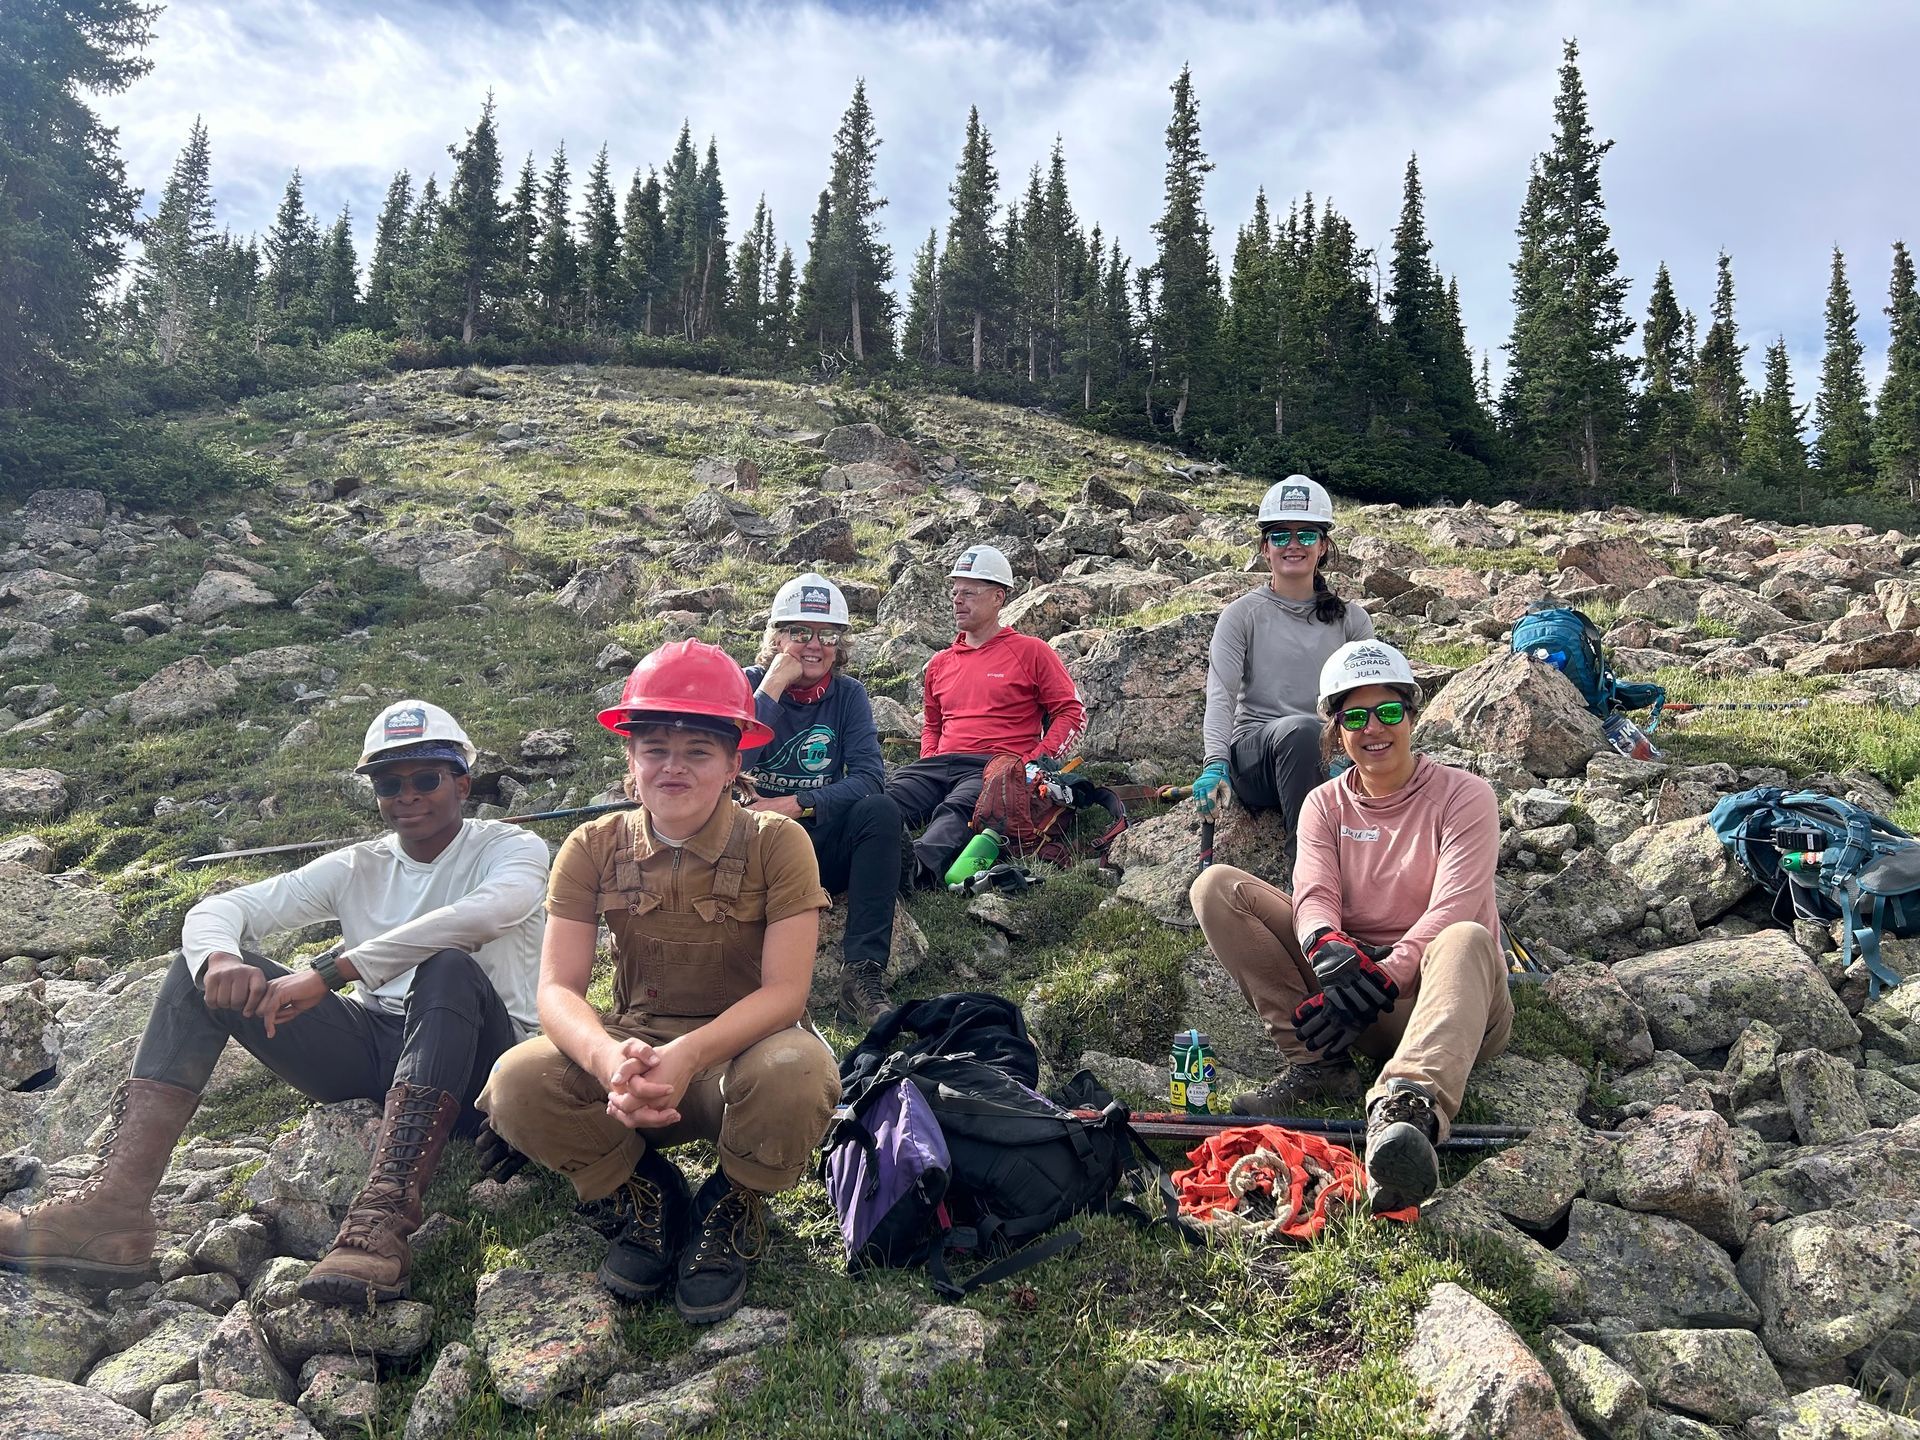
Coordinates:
(440, 922)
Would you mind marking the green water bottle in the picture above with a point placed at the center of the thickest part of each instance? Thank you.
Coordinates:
(1190, 1072)
(981, 853)
(1802, 860)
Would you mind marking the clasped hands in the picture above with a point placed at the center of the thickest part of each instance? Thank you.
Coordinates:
(645, 1083)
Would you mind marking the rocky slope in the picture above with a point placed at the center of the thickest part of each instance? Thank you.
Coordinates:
(1747, 1257)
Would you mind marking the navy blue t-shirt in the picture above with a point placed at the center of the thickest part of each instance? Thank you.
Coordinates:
(826, 754)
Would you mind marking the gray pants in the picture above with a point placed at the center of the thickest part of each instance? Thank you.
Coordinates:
(1274, 766)
(453, 1029)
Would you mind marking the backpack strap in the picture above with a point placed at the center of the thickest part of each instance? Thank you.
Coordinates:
(1037, 1253)
(730, 870)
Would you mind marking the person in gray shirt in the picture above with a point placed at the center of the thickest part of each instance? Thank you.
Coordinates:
(1262, 732)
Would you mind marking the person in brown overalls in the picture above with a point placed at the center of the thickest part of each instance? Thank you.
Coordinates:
(714, 915)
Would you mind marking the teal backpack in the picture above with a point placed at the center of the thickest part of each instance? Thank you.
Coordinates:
(1864, 872)
(1570, 642)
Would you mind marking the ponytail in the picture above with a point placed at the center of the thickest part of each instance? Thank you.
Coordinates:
(1328, 608)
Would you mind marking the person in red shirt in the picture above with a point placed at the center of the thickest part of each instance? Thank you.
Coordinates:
(992, 692)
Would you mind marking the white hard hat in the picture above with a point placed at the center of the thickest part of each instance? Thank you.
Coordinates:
(1363, 662)
(810, 597)
(982, 562)
(1297, 498)
(415, 730)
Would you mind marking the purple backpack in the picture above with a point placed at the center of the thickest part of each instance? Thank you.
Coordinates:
(887, 1176)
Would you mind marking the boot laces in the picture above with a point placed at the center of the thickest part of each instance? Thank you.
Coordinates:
(116, 1117)
(865, 982)
(645, 1206)
(395, 1167)
(1408, 1105)
(737, 1223)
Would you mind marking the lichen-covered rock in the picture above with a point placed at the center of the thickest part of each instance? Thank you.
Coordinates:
(222, 1415)
(29, 1034)
(1683, 858)
(313, 1172)
(340, 1403)
(47, 915)
(1518, 710)
(1830, 1283)
(1514, 1090)
(1590, 907)
(1882, 1163)
(1160, 857)
(1599, 1392)
(1533, 1183)
(1829, 1412)
(891, 1366)
(1751, 1059)
(1821, 1096)
(1699, 997)
(1601, 1012)
(544, 1336)
(1649, 1272)
(1145, 691)
(46, 1331)
(33, 794)
(236, 1247)
(33, 1407)
(396, 1330)
(219, 591)
(442, 1396)
(1477, 1375)
(188, 689)
(1722, 1376)
(236, 1357)
(682, 1408)
(170, 1353)
(1465, 1219)
(1682, 1163)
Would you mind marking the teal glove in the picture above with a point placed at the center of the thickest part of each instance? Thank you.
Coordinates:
(1210, 788)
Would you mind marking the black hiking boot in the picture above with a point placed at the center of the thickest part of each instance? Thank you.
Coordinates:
(1324, 1082)
(863, 998)
(1403, 1168)
(655, 1209)
(730, 1234)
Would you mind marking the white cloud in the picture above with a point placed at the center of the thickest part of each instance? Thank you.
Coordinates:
(1771, 128)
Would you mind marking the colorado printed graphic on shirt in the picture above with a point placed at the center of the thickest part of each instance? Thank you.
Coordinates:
(801, 763)
(407, 724)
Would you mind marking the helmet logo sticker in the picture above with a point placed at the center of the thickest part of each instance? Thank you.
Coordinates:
(965, 562)
(409, 723)
(1293, 497)
(814, 600)
(1368, 655)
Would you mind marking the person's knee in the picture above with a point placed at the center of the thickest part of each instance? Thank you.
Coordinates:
(1463, 945)
(875, 812)
(447, 978)
(523, 1092)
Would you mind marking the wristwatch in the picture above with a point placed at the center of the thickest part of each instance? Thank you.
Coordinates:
(329, 973)
(806, 812)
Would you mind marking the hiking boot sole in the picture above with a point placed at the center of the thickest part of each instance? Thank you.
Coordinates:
(343, 1290)
(717, 1311)
(92, 1271)
(621, 1288)
(1402, 1168)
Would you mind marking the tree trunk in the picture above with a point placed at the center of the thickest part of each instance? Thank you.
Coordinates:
(979, 340)
(1673, 468)
(1590, 452)
(859, 345)
(647, 323)
(1086, 390)
(1279, 414)
(473, 310)
(1180, 410)
(1033, 354)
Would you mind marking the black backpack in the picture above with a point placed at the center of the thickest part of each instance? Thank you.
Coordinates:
(934, 1153)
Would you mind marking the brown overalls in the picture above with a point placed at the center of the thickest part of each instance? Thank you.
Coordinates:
(687, 924)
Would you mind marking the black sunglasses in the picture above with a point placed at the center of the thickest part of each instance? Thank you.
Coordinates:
(423, 782)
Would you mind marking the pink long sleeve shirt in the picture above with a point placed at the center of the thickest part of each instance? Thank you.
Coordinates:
(1399, 869)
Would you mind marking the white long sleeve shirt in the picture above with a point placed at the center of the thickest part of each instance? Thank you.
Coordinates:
(483, 894)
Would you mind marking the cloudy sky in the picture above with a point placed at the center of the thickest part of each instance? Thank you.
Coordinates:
(1773, 129)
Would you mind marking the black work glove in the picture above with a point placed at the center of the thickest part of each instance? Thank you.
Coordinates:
(1354, 992)
(499, 1161)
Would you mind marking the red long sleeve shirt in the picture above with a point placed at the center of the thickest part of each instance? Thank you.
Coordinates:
(1010, 695)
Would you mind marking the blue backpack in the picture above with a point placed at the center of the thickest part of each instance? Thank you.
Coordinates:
(1865, 870)
(1570, 642)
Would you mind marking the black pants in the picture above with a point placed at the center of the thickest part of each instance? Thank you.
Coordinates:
(859, 853)
(940, 792)
(452, 1031)
(1275, 766)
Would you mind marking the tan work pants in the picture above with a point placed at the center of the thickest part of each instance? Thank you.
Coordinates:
(765, 1109)
(1456, 1013)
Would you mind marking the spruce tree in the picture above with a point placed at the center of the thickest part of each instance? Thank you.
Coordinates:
(474, 241)
(1061, 253)
(1254, 323)
(601, 287)
(680, 224)
(813, 303)
(415, 299)
(64, 200)
(710, 249)
(1719, 382)
(1665, 411)
(389, 234)
(1186, 312)
(1416, 305)
(1027, 278)
(1566, 397)
(780, 323)
(1087, 348)
(1773, 457)
(752, 275)
(1896, 428)
(293, 255)
(859, 265)
(970, 265)
(1843, 449)
(523, 223)
(642, 249)
(337, 279)
(920, 337)
(172, 289)
(556, 267)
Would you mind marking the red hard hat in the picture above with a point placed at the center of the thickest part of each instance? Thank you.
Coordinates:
(692, 678)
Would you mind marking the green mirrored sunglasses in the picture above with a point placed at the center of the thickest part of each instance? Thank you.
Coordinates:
(1307, 539)
(1387, 712)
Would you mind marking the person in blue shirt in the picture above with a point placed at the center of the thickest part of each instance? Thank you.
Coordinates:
(823, 768)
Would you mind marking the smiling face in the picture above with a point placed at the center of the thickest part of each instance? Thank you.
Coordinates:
(1381, 753)
(424, 822)
(680, 775)
(816, 658)
(976, 605)
(1292, 564)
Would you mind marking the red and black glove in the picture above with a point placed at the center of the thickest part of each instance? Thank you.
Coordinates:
(1354, 992)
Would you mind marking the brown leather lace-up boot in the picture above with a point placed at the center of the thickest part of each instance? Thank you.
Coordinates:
(104, 1230)
(370, 1261)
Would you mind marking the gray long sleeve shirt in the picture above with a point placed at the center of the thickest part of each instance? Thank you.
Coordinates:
(1264, 663)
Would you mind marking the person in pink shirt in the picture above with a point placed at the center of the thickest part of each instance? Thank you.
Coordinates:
(1388, 944)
